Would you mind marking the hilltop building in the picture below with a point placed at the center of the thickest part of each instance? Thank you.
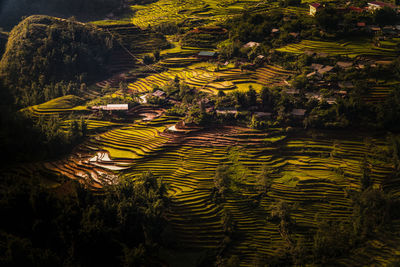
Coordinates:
(207, 54)
(251, 45)
(112, 107)
(375, 5)
(314, 8)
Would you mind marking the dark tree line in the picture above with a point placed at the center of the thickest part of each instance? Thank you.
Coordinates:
(71, 226)
(47, 57)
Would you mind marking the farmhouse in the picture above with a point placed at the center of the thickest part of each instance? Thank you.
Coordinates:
(207, 54)
(251, 45)
(111, 107)
(316, 66)
(355, 9)
(275, 30)
(230, 110)
(375, 5)
(292, 91)
(159, 93)
(344, 64)
(314, 8)
(325, 69)
(345, 84)
(263, 114)
(297, 112)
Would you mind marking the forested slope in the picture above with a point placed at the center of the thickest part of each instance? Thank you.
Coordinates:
(47, 57)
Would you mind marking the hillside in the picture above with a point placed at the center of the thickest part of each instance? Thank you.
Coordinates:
(204, 133)
(44, 50)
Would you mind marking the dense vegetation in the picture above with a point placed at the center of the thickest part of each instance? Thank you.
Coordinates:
(72, 226)
(48, 57)
(281, 152)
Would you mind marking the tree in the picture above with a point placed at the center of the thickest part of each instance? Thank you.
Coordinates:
(264, 179)
(251, 96)
(328, 18)
(240, 98)
(222, 179)
(83, 127)
(267, 99)
(385, 16)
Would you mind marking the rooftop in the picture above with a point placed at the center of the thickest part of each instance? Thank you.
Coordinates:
(207, 53)
(298, 112)
(316, 5)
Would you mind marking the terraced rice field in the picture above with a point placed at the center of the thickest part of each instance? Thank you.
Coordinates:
(58, 106)
(228, 79)
(166, 11)
(349, 48)
(305, 174)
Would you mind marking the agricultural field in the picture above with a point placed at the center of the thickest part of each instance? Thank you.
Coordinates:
(58, 106)
(350, 48)
(311, 173)
(288, 162)
(164, 11)
(209, 80)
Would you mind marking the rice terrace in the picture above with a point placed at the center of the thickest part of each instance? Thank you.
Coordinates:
(200, 133)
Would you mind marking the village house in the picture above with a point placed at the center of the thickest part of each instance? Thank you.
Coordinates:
(314, 8)
(325, 69)
(298, 113)
(225, 111)
(375, 5)
(344, 64)
(112, 107)
(251, 45)
(355, 9)
(341, 93)
(316, 66)
(260, 115)
(159, 93)
(292, 91)
(207, 55)
(344, 85)
(330, 100)
(361, 24)
(275, 31)
(316, 96)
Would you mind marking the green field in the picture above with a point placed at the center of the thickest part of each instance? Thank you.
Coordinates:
(313, 173)
(305, 176)
(352, 48)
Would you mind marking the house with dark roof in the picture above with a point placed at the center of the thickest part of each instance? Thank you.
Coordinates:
(298, 112)
(375, 5)
(159, 93)
(314, 8)
(251, 45)
(207, 54)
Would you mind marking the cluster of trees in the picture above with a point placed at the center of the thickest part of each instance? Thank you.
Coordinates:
(122, 226)
(23, 139)
(258, 27)
(57, 55)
